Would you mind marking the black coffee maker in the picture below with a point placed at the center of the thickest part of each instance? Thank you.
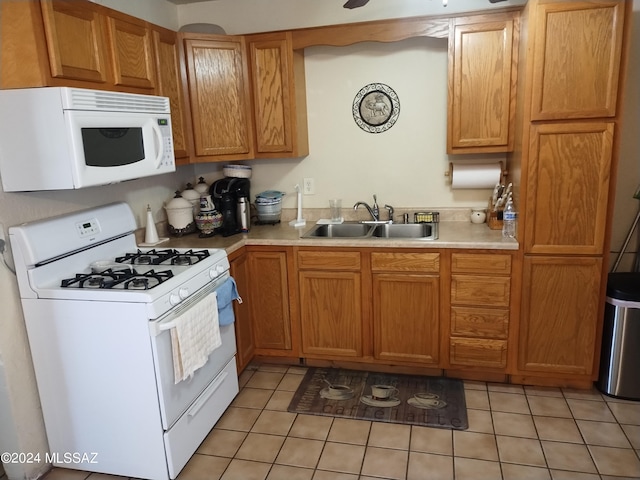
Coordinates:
(230, 196)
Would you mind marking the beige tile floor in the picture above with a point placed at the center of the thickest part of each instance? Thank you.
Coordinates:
(515, 433)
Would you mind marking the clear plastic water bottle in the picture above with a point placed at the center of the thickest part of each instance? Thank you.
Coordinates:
(509, 218)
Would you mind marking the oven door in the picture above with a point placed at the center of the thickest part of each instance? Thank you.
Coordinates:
(176, 398)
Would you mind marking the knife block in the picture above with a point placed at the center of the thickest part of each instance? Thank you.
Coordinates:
(494, 220)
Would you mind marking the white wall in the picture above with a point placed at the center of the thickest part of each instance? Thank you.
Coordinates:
(628, 178)
(158, 12)
(251, 16)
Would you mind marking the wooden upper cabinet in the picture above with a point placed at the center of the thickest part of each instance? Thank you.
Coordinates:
(483, 52)
(577, 59)
(279, 100)
(170, 74)
(131, 52)
(220, 97)
(76, 41)
(568, 187)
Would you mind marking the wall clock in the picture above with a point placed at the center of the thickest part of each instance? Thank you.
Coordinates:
(376, 108)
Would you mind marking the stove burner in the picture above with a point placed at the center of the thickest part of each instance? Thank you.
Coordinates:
(95, 281)
(144, 259)
(125, 279)
(163, 257)
(181, 260)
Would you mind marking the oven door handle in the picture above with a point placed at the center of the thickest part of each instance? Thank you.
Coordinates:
(167, 326)
(168, 321)
(206, 395)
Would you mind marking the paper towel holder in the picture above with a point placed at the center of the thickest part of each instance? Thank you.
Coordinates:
(503, 172)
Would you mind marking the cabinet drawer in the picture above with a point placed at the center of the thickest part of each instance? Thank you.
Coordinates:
(477, 290)
(323, 260)
(479, 322)
(405, 262)
(478, 352)
(480, 263)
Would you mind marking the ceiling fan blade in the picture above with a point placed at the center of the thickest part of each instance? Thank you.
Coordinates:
(355, 3)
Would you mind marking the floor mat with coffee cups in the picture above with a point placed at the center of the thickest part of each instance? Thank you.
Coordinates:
(382, 397)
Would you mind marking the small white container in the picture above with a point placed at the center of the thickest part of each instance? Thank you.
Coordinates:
(201, 187)
(237, 171)
(478, 215)
(180, 216)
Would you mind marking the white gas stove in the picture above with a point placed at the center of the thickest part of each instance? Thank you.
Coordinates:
(98, 312)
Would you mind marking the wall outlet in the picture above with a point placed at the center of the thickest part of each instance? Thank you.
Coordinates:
(309, 187)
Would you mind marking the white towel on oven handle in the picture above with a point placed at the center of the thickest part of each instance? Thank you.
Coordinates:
(196, 334)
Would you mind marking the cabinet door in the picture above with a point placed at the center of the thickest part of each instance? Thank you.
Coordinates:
(568, 188)
(331, 313)
(243, 325)
(482, 78)
(219, 96)
(270, 64)
(406, 317)
(75, 40)
(559, 314)
(577, 49)
(279, 99)
(169, 73)
(269, 302)
(131, 53)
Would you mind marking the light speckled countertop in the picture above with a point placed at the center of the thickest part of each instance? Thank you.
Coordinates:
(455, 234)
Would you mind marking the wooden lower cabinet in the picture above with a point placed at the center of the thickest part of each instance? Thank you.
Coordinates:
(243, 322)
(406, 317)
(560, 314)
(406, 307)
(480, 308)
(330, 304)
(269, 302)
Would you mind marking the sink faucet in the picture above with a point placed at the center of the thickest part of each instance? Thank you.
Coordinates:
(390, 208)
(374, 217)
(374, 210)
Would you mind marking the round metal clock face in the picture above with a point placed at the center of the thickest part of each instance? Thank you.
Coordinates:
(376, 108)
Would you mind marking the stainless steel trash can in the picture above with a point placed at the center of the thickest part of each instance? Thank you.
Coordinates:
(620, 358)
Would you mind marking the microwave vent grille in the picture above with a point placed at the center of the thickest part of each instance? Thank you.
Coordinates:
(83, 99)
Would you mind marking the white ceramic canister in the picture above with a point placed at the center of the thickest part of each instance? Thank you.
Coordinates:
(478, 215)
(180, 215)
(192, 195)
(201, 187)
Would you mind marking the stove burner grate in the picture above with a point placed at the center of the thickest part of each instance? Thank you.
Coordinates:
(126, 279)
(163, 257)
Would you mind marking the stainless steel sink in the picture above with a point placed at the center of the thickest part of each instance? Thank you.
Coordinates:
(342, 230)
(355, 230)
(405, 230)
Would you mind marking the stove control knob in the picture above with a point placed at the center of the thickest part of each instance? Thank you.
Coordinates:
(184, 293)
(216, 271)
(174, 299)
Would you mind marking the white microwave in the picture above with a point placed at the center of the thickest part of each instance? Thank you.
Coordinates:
(56, 138)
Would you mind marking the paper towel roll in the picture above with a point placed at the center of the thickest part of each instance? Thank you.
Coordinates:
(476, 175)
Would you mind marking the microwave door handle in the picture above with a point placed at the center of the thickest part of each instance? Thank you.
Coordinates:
(157, 138)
